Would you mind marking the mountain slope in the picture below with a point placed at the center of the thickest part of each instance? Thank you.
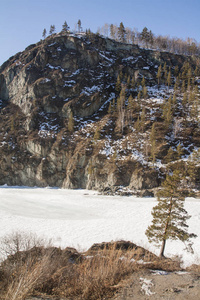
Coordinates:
(82, 111)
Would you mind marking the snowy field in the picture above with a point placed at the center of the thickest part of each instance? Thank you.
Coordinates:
(79, 218)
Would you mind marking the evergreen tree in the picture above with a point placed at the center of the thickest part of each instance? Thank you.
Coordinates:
(177, 84)
(90, 168)
(142, 118)
(137, 124)
(169, 215)
(139, 96)
(194, 112)
(183, 86)
(133, 82)
(71, 122)
(65, 27)
(118, 84)
(144, 92)
(145, 36)
(79, 26)
(165, 67)
(121, 33)
(176, 71)
(196, 71)
(110, 108)
(174, 100)
(151, 38)
(44, 34)
(170, 155)
(167, 112)
(169, 79)
(113, 105)
(191, 98)
(112, 32)
(153, 143)
(128, 82)
(52, 29)
(185, 99)
(192, 162)
(179, 151)
(143, 81)
(97, 134)
(159, 74)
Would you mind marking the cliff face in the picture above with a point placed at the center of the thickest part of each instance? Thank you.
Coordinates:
(68, 76)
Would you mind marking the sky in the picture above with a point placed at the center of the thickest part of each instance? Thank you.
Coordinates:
(22, 21)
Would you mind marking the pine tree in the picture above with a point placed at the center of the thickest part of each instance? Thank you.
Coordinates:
(179, 151)
(110, 108)
(153, 143)
(174, 101)
(133, 82)
(137, 124)
(176, 71)
(71, 122)
(165, 67)
(128, 82)
(144, 92)
(143, 81)
(169, 79)
(44, 34)
(118, 84)
(159, 74)
(170, 155)
(185, 99)
(52, 29)
(183, 86)
(167, 112)
(166, 76)
(97, 134)
(112, 32)
(177, 83)
(113, 105)
(139, 96)
(121, 33)
(90, 168)
(130, 103)
(151, 38)
(191, 98)
(169, 215)
(65, 27)
(79, 26)
(196, 71)
(192, 162)
(142, 118)
(145, 36)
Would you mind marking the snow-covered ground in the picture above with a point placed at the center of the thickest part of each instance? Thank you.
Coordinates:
(79, 218)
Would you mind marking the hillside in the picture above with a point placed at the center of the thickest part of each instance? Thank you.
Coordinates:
(83, 111)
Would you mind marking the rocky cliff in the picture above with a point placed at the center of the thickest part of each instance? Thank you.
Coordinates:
(67, 118)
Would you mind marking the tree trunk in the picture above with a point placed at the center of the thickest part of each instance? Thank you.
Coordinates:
(162, 249)
(165, 232)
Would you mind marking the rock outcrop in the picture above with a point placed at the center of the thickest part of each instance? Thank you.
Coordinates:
(74, 76)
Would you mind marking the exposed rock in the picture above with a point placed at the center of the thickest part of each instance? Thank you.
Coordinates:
(64, 75)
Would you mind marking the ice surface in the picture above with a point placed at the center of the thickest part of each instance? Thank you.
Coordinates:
(79, 218)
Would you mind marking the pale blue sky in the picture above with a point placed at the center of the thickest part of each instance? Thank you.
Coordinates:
(22, 21)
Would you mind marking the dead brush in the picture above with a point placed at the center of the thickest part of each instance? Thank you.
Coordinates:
(26, 278)
(95, 276)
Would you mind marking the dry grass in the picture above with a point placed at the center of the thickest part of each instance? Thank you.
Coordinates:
(26, 278)
(93, 277)
(48, 271)
(66, 273)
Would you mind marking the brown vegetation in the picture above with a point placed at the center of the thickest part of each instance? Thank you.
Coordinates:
(67, 273)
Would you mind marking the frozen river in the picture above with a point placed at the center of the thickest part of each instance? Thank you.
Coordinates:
(79, 218)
